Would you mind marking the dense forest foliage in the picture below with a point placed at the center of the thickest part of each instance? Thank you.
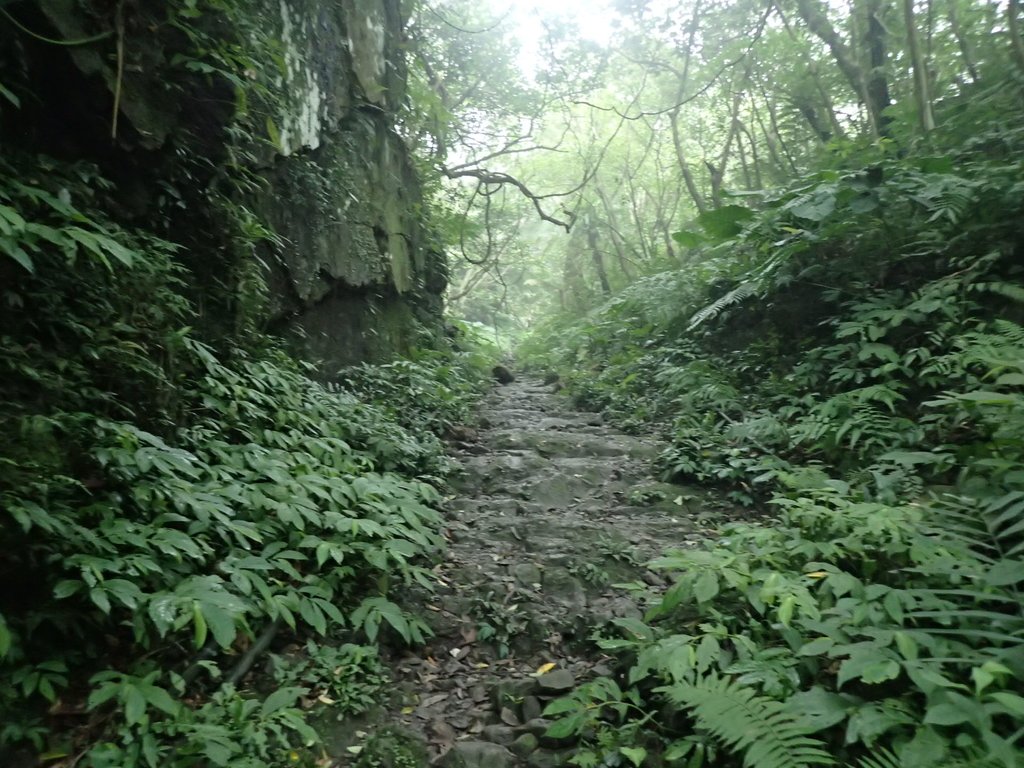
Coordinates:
(784, 236)
(852, 367)
(796, 253)
(181, 495)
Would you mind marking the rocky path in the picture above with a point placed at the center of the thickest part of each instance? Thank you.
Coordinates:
(554, 509)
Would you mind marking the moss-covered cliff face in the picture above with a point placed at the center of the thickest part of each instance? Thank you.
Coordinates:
(261, 136)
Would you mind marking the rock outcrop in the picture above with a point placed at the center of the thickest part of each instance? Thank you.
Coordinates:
(263, 136)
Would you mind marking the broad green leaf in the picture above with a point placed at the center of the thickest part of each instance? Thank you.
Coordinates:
(281, 699)
(635, 755)
(11, 247)
(816, 647)
(221, 624)
(688, 239)
(560, 729)
(726, 221)
(134, 704)
(818, 707)
(560, 706)
(199, 625)
(1005, 572)
(102, 695)
(1013, 702)
(6, 638)
(160, 699)
(706, 587)
(941, 164)
(946, 714)
(880, 671)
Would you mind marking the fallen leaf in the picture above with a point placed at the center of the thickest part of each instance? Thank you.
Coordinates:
(430, 701)
(543, 669)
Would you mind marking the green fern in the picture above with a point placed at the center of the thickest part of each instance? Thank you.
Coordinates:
(883, 759)
(737, 295)
(760, 728)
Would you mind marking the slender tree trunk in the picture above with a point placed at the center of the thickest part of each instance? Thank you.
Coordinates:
(718, 172)
(961, 40)
(815, 73)
(876, 81)
(773, 120)
(684, 165)
(817, 22)
(616, 235)
(748, 179)
(1013, 26)
(826, 101)
(598, 258)
(806, 108)
(677, 140)
(776, 167)
(755, 158)
(921, 95)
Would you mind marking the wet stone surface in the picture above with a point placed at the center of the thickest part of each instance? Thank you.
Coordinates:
(553, 508)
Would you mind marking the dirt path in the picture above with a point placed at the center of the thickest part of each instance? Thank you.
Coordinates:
(554, 508)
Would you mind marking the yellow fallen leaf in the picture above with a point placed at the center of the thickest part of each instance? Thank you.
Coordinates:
(481, 665)
(408, 710)
(817, 574)
(543, 669)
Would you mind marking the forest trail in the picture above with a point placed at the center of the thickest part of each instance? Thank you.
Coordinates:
(554, 507)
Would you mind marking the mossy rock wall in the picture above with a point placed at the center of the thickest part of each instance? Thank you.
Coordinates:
(293, 118)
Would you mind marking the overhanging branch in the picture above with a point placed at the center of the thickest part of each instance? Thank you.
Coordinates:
(497, 177)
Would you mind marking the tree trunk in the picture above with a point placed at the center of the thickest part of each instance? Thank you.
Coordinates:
(921, 95)
(817, 22)
(877, 84)
(773, 120)
(1013, 25)
(616, 235)
(961, 40)
(684, 165)
(718, 172)
(598, 257)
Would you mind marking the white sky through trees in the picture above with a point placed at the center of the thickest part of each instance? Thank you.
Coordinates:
(527, 19)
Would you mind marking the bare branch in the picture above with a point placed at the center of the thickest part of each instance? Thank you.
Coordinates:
(499, 178)
(702, 90)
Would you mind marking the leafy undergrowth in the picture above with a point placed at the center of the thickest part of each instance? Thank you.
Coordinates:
(850, 356)
(170, 513)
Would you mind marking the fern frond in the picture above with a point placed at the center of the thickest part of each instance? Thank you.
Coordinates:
(767, 735)
(883, 759)
(737, 295)
(1009, 290)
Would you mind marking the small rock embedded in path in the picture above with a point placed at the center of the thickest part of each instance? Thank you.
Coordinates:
(557, 681)
(502, 374)
(477, 754)
(524, 744)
